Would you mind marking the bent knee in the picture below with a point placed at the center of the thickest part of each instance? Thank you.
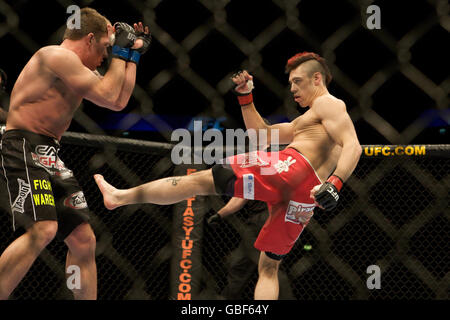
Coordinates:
(224, 179)
(204, 181)
(269, 270)
(43, 232)
(268, 266)
(82, 241)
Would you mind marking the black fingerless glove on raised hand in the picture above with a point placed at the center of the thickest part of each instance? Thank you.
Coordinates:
(124, 40)
(135, 54)
(328, 194)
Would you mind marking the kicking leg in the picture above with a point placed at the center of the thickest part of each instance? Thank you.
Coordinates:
(163, 191)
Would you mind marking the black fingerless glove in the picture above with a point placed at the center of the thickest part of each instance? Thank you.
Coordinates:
(328, 194)
(124, 40)
(135, 55)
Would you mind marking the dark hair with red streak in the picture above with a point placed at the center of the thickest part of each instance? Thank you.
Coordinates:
(302, 57)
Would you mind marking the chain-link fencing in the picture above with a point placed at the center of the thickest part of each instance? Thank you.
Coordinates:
(394, 210)
(393, 214)
(198, 44)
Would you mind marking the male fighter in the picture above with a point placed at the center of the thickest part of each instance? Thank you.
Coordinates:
(45, 198)
(322, 153)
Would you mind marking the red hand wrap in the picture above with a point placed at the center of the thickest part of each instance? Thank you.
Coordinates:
(245, 100)
(336, 181)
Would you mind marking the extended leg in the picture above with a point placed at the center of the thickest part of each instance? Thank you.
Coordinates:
(163, 191)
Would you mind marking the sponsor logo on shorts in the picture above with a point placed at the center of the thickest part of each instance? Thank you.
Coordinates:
(43, 199)
(76, 201)
(299, 212)
(283, 165)
(47, 158)
(249, 186)
(252, 159)
(24, 190)
(42, 184)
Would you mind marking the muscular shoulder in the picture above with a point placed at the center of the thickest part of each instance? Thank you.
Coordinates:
(56, 59)
(60, 61)
(328, 106)
(57, 55)
(328, 100)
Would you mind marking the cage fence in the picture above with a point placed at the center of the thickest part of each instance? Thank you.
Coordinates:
(394, 210)
(393, 214)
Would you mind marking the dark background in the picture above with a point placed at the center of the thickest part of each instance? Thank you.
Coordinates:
(393, 211)
(197, 45)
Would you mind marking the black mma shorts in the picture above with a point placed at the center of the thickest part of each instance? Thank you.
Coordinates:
(39, 186)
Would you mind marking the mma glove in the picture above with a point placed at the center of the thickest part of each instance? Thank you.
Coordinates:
(135, 55)
(244, 91)
(124, 40)
(328, 194)
(214, 220)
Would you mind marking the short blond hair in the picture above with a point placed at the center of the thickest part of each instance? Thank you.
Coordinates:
(90, 21)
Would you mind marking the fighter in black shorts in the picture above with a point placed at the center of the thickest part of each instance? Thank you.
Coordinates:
(39, 185)
(44, 196)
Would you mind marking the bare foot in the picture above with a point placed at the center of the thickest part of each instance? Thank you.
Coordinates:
(109, 192)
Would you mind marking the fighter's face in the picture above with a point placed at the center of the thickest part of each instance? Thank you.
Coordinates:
(97, 51)
(302, 85)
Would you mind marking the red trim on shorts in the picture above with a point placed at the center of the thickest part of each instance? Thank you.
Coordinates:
(286, 191)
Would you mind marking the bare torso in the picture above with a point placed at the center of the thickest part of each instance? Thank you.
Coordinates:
(311, 140)
(40, 101)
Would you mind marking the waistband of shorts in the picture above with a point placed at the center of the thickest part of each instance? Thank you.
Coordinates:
(294, 151)
(31, 137)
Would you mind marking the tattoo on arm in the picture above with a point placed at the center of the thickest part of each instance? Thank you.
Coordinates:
(174, 180)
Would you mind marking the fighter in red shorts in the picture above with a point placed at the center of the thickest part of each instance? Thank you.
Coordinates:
(322, 152)
(285, 188)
